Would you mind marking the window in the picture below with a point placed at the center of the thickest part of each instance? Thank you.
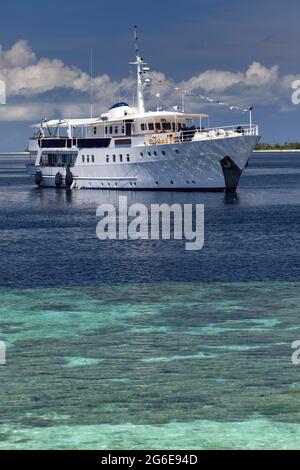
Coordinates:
(143, 127)
(95, 130)
(116, 129)
(149, 154)
(110, 129)
(154, 153)
(128, 158)
(171, 182)
(173, 126)
(82, 158)
(166, 126)
(93, 159)
(114, 158)
(176, 150)
(105, 129)
(121, 158)
(88, 159)
(163, 152)
(141, 154)
(151, 126)
(157, 126)
(123, 129)
(107, 158)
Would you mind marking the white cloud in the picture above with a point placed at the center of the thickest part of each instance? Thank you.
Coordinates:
(27, 76)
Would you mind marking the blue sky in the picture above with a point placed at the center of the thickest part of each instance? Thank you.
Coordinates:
(208, 45)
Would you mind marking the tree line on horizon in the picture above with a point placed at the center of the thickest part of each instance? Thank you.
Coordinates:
(285, 146)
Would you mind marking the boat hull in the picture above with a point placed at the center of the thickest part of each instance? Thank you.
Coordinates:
(212, 165)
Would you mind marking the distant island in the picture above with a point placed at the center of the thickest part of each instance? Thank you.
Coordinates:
(285, 146)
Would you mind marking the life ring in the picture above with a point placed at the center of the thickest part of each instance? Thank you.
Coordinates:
(69, 178)
(58, 179)
(38, 177)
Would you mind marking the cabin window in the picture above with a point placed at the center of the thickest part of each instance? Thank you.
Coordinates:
(116, 129)
(143, 127)
(173, 126)
(149, 154)
(121, 158)
(157, 126)
(163, 152)
(82, 158)
(128, 158)
(95, 130)
(110, 129)
(114, 158)
(123, 129)
(105, 129)
(154, 153)
(141, 154)
(176, 150)
(151, 126)
(93, 159)
(107, 158)
(88, 159)
(179, 126)
(166, 126)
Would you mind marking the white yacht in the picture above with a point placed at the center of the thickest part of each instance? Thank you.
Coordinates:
(131, 148)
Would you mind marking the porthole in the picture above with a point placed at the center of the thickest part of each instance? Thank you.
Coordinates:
(156, 182)
(163, 152)
(172, 182)
(154, 153)
(176, 150)
(141, 154)
(187, 182)
(116, 184)
(193, 182)
(149, 154)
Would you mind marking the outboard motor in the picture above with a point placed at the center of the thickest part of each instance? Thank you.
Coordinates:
(38, 177)
(58, 179)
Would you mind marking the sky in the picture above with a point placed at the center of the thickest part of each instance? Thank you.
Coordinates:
(243, 53)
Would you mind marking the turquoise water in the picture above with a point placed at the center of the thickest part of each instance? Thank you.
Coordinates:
(142, 345)
(196, 366)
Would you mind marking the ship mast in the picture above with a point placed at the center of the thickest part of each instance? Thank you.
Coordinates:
(139, 62)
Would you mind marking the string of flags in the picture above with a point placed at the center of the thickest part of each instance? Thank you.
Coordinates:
(199, 95)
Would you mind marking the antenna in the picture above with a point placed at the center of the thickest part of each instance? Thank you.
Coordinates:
(136, 41)
(91, 84)
(139, 62)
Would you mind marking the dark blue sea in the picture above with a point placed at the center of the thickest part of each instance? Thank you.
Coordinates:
(126, 344)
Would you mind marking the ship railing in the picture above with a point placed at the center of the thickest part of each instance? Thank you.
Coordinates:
(196, 134)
